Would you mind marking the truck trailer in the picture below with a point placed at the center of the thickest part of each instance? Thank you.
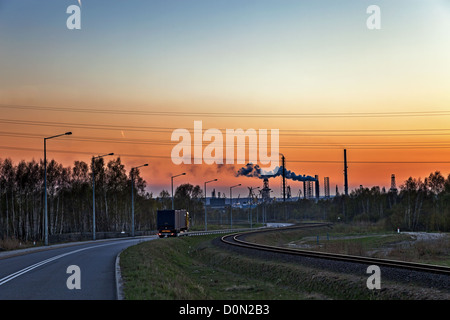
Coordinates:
(172, 222)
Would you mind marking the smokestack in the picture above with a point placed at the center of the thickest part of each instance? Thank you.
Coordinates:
(304, 189)
(345, 173)
(326, 187)
(317, 187)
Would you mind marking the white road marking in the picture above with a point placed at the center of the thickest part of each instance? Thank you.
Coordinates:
(43, 262)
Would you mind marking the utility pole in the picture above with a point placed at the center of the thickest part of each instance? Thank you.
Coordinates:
(283, 163)
(345, 173)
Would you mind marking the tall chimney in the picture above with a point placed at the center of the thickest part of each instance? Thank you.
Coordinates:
(304, 189)
(317, 187)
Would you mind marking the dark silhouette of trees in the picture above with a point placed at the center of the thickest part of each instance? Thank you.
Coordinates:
(190, 197)
(418, 205)
(70, 199)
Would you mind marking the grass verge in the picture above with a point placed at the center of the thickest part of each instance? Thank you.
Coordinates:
(193, 268)
(364, 240)
(183, 269)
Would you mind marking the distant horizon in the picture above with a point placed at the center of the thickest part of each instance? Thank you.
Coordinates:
(242, 191)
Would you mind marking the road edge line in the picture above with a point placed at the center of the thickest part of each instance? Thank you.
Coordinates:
(119, 281)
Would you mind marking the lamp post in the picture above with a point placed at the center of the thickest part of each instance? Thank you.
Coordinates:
(181, 174)
(251, 218)
(231, 205)
(45, 185)
(206, 221)
(93, 191)
(132, 197)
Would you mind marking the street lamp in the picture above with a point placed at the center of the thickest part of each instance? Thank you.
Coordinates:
(181, 174)
(251, 218)
(45, 184)
(93, 191)
(231, 205)
(132, 197)
(206, 221)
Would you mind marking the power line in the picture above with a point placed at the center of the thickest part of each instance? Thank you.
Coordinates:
(85, 126)
(433, 113)
(304, 145)
(283, 132)
(167, 157)
(78, 152)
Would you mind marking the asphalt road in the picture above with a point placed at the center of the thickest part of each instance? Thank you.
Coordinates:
(43, 275)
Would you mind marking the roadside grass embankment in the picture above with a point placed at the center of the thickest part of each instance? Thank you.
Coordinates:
(193, 268)
(186, 268)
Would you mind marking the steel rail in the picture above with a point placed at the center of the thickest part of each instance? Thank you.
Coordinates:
(234, 240)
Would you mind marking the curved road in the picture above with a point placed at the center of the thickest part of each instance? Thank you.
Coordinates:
(42, 274)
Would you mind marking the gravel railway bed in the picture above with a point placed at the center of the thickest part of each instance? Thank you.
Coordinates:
(439, 281)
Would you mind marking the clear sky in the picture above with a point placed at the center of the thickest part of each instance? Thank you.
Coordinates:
(303, 67)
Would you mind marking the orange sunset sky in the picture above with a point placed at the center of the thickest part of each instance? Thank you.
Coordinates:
(138, 70)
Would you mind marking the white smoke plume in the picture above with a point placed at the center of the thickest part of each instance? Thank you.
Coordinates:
(251, 170)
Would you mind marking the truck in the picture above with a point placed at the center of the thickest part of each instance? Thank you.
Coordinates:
(170, 223)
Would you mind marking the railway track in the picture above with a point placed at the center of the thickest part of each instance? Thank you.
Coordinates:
(237, 239)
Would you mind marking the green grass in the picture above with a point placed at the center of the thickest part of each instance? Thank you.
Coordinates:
(173, 268)
(193, 268)
(362, 240)
(360, 245)
(201, 227)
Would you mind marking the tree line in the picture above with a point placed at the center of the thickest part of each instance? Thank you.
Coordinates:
(417, 205)
(70, 199)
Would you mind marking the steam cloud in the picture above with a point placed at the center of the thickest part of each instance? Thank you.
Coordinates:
(251, 170)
